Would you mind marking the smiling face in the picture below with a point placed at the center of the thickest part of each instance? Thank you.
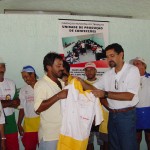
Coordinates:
(29, 78)
(113, 58)
(56, 69)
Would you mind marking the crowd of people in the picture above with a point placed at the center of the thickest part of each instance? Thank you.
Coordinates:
(82, 48)
(123, 92)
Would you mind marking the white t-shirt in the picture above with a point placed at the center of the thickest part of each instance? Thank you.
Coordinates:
(78, 111)
(126, 80)
(144, 92)
(7, 92)
(26, 96)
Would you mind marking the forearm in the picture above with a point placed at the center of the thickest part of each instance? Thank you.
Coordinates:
(2, 131)
(21, 116)
(121, 96)
(47, 103)
(6, 103)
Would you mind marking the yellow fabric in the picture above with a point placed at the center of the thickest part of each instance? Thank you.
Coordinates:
(31, 124)
(103, 125)
(70, 78)
(73, 143)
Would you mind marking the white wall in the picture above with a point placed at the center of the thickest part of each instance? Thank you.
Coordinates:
(26, 39)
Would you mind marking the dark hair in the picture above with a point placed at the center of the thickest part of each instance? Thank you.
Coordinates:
(66, 66)
(117, 48)
(50, 58)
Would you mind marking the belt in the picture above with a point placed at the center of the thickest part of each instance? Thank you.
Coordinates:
(121, 110)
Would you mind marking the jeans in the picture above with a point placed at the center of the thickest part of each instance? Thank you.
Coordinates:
(122, 131)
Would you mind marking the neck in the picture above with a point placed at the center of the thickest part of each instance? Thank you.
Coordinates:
(1, 79)
(93, 79)
(33, 83)
(142, 72)
(52, 77)
(119, 67)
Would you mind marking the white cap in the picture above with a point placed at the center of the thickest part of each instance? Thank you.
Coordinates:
(90, 65)
(1, 61)
(137, 58)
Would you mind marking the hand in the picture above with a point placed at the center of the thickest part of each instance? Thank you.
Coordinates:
(15, 103)
(21, 130)
(62, 94)
(98, 93)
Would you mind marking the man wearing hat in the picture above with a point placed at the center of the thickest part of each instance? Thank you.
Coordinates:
(9, 102)
(143, 107)
(29, 131)
(90, 72)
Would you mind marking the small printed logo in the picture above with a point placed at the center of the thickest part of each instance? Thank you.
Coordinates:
(8, 97)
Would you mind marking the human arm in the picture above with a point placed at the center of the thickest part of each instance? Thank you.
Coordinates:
(120, 96)
(85, 85)
(10, 103)
(20, 119)
(49, 102)
(3, 139)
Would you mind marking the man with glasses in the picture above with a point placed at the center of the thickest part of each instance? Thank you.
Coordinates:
(119, 86)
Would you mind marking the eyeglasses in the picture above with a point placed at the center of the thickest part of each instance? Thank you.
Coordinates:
(116, 85)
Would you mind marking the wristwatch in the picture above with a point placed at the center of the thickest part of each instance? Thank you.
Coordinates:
(106, 94)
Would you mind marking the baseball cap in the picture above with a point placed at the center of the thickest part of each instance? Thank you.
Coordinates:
(137, 58)
(1, 61)
(28, 69)
(90, 65)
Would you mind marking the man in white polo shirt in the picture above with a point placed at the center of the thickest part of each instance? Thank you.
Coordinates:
(120, 86)
(47, 93)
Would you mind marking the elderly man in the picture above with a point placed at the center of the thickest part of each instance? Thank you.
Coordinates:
(143, 107)
(9, 102)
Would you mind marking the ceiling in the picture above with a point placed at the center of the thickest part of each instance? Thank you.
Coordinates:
(139, 9)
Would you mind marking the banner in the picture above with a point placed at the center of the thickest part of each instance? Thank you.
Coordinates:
(83, 41)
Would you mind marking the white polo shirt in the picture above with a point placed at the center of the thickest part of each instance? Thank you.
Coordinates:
(7, 92)
(126, 80)
(51, 118)
(26, 96)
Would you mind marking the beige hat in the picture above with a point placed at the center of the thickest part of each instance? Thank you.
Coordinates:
(137, 58)
(1, 61)
(90, 65)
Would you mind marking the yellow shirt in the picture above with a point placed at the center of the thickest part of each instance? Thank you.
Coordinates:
(50, 122)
